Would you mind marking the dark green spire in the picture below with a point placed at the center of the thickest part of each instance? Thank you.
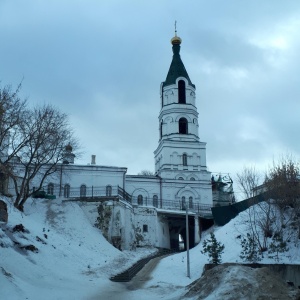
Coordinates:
(177, 68)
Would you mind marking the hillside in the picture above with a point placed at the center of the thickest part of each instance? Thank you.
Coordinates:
(74, 261)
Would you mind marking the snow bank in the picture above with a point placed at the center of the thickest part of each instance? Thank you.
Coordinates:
(73, 259)
(172, 271)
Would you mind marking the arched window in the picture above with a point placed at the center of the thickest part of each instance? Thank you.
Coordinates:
(192, 179)
(180, 178)
(183, 126)
(184, 159)
(50, 189)
(183, 203)
(191, 203)
(181, 92)
(140, 200)
(108, 190)
(67, 191)
(161, 129)
(83, 190)
(155, 201)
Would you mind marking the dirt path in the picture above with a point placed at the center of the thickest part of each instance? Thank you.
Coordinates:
(130, 290)
(144, 275)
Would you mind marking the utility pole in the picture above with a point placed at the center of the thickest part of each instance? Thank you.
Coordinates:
(187, 241)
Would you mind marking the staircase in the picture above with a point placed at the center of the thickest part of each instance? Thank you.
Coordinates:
(128, 274)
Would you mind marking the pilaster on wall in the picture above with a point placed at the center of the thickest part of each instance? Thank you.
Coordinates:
(197, 231)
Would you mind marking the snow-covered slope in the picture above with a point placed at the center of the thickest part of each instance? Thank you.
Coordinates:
(171, 273)
(74, 261)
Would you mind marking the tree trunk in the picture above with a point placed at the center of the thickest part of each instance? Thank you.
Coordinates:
(21, 204)
(17, 200)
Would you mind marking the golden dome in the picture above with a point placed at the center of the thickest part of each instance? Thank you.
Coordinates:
(176, 40)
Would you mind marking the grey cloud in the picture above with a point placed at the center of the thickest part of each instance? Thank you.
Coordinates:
(103, 62)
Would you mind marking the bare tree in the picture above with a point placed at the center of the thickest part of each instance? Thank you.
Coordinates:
(39, 146)
(282, 182)
(248, 180)
(146, 173)
(12, 109)
(275, 221)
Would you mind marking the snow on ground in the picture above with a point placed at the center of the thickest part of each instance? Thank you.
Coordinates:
(74, 260)
(240, 282)
(172, 271)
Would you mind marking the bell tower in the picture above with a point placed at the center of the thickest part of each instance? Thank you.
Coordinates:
(180, 153)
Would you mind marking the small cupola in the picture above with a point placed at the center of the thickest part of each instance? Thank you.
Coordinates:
(176, 40)
(68, 155)
(69, 148)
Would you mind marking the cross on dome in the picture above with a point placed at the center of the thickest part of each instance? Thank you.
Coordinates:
(176, 40)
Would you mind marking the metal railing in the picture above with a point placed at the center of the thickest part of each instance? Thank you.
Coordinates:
(118, 192)
(86, 191)
(178, 205)
(90, 192)
(121, 192)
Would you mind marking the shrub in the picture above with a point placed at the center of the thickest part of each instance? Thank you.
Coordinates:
(250, 250)
(213, 248)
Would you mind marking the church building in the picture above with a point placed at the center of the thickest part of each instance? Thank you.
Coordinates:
(142, 210)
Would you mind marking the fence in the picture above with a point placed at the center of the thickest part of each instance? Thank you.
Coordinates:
(85, 192)
(115, 191)
(178, 205)
(223, 214)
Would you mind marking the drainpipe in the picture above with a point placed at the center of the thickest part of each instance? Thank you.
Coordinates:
(187, 241)
(124, 180)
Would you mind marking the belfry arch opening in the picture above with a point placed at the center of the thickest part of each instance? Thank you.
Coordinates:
(183, 126)
(161, 129)
(181, 92)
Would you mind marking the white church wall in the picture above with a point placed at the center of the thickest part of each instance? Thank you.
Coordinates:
(151, 229)
(145, 226)
(143, 185)
(174, 159)
(206, 198)
(163, 234)
(123, 225)
(95, 178)
(128, 229)
(121, 221)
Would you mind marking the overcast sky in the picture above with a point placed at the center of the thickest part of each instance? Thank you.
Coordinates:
(102, 62)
